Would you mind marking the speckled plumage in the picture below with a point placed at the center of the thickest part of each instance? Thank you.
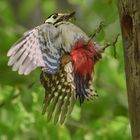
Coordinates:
(49, 46)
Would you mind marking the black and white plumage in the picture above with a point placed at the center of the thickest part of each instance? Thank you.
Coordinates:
(36, 49)
(49, 46)
(58, 98)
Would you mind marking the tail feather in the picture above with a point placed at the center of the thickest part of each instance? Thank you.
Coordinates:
(71, 105)
(65, 108)
(46, 103)
(53, 105)
(58, 96)
(59, 108)
(84, 89)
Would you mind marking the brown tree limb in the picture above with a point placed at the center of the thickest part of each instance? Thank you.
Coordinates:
(129, 11)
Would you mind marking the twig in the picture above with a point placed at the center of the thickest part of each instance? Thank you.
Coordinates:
(110, 44)
(101, 25)
(114, 45)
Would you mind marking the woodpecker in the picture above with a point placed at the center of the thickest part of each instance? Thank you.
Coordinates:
(66, 56)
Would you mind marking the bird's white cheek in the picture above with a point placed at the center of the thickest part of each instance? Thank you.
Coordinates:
(50, 20)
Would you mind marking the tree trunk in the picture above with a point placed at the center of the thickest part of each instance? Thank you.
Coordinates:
(130, 24)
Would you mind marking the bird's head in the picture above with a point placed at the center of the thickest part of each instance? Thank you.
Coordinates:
(58, 17)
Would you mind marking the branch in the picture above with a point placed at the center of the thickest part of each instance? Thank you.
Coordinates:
(101, 50)
(100, 27)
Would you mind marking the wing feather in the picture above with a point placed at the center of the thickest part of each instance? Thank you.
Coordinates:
(43, 47)
(36, 49)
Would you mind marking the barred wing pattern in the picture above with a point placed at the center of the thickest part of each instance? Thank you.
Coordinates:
(59, 93)
(35, 49)
(44, 46)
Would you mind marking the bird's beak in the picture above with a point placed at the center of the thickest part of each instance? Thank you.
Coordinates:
(68, 16)
(65, 16)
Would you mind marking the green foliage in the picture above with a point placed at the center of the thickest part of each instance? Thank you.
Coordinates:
(21, 97)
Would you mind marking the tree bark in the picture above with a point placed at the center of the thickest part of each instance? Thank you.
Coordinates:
(129, 11)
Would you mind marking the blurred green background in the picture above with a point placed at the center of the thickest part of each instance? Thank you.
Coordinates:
(21, 97)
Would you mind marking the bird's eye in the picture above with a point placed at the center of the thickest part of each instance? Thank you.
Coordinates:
(55, 16)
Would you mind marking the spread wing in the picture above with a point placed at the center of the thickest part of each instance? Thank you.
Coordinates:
(36, 49)
(44, 47)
